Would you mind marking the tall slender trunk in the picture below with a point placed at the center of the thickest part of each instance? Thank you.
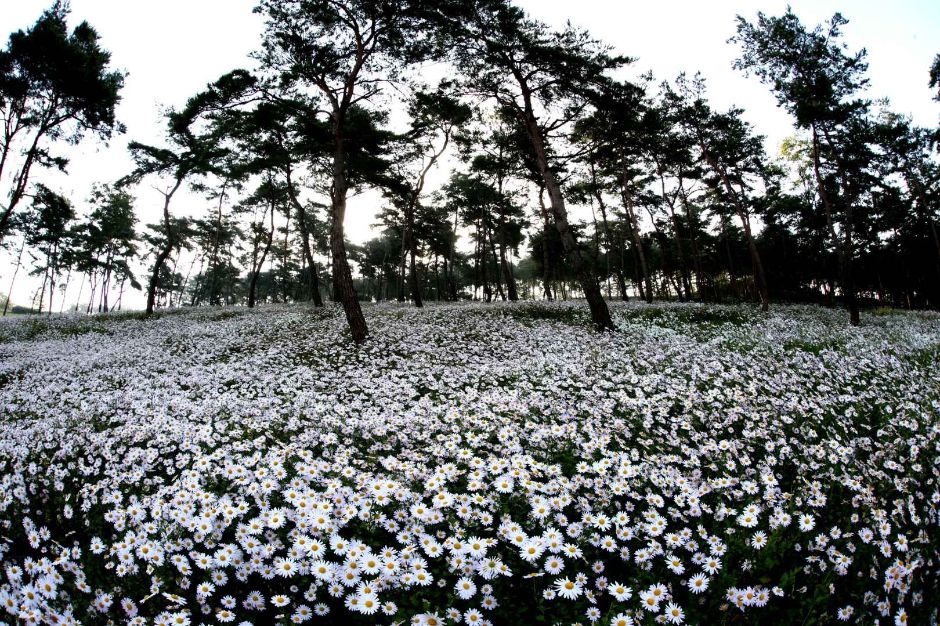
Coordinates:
(120, 293)
(663, 240)
(693, 240)
(481, 260)
(727, 238)
(65, 289)
(409, 253)
(413, 276)
(546, 256)
(214, 255)
(409, 241)
(844, 249)
(52, 271)
(757, 266)
(81, 287)
(342, 274)
(627, 195)
(314, 277)
(16, 270)
(670, 200)
(600, 314)
(509, 279)
(402, 263)
(608, 246)
(451, 279)
(496, 266)
(179, 300)
(164, 252)
(256, 263)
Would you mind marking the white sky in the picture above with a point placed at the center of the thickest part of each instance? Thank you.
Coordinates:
(173, 48)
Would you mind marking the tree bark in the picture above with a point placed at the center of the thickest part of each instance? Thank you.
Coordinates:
(342, 275)
(257, 264)
(844, 249)
(637, 240)
(314, 278)
(164, 253)
(546, 256)
(600, 314)
(741, 210)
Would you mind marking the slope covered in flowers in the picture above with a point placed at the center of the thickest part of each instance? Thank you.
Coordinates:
(472, 465)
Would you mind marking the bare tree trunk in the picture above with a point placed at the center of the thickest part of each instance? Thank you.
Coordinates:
(413, 283)
(844, 249)
(81, 287)
(637, 240)
(546, 257)
(481, 260)
(741, 210)
(65, 289)
(608, 246)
(600, 314)
(164, 252)
(727, 237)
(257, 264)
(451, 279)
(510, 280)
(342, 275)
(496, 265)
(696, 255)
(314, 278)
(16, 270)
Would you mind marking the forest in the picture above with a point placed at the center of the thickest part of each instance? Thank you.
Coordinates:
(684, 201)
(606, 357)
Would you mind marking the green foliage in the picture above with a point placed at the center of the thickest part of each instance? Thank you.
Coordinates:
(53, 85)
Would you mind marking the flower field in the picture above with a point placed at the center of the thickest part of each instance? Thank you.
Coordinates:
(471, 464)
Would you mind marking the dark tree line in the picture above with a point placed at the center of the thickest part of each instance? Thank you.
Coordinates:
(682, 200)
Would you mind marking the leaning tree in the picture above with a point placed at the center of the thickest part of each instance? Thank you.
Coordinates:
(344, 51)
(820, 84)
(54, 85)
(547, 79)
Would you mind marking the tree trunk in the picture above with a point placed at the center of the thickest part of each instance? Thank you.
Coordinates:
(481, 261)
(608, 246)
(637, 240)
(844, 249)
(693, 239)
(741, 210)
(214, 255)
(342, 275)
(257, 264)
(164, 253)
(546, 256)
(314, 278)
(600, 314)
(16, 270)
(413, 283)
(402, 263)
(451, 279)
(497, 269)
(504, 264)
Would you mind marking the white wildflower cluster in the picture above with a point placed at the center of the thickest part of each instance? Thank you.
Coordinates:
(471, 465)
